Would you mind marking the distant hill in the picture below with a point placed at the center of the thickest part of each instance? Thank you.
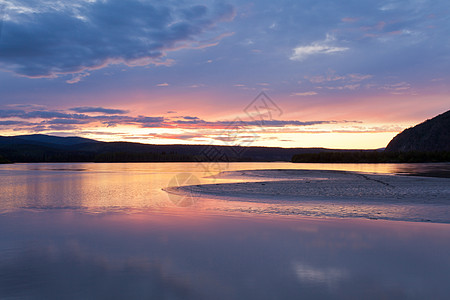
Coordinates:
(50, 139)
(46, 148)
(433, 135)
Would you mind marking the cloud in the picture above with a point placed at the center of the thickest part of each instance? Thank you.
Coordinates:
(9, 113)
(56, 127)
(9, 123)
(66, 122)
(38, 114)
(107, 111)
(359, 77)
(78, 77)
(301, 53)
(168, 136)
(148, 122)
(74, 37)
(334, 81)
(312, 93)
(399, 88)
(377, 27)
(344, 87)
(2, 12)
(190, 118)
(63, 121)
(43, 114)
(349, 20)
(163, 84)
(56, 119)
(199, 123)
(27, 105)
(194, 86)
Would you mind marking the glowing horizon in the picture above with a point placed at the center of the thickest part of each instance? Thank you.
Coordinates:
(341, 76)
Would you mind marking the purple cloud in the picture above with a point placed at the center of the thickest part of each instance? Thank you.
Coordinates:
(40, 40)
(106, 111)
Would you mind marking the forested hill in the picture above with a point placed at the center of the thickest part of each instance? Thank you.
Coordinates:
(45, 148)
(431, 135)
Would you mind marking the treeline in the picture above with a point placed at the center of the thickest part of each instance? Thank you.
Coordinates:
(117, 156)
(26, 154)
(4, 160)
(372, 157)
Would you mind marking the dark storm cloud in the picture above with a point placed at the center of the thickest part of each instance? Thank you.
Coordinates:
(45, 39)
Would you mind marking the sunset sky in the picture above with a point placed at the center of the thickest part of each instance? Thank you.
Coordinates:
(336, 74)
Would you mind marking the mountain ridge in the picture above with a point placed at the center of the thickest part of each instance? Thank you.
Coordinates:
(51, 139)
(46, 148)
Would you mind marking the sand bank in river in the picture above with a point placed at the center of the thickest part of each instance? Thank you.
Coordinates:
(328, 185)
(321, 193)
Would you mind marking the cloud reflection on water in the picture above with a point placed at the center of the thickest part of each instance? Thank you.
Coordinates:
(56, 254)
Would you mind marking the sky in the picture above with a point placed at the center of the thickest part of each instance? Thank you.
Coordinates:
(304, 73)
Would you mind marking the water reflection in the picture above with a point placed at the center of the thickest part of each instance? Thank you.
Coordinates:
(328, 277)
(97, 187)
(140, 245)
(67, 255)
(69, 272)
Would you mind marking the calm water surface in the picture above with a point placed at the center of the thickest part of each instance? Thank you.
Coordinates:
(127, 186)
(109, 231)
